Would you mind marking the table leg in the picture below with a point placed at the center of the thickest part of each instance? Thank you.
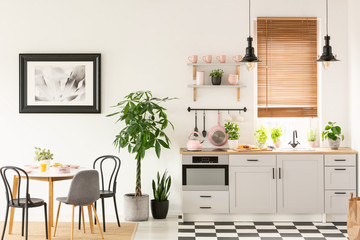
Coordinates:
(51, 206)
(14, 192)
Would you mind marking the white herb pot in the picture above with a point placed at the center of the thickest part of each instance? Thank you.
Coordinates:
(233, 143)
(334, 144)
(277, 144)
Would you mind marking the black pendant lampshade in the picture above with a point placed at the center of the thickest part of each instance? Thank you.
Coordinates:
(327, 55)
(250, 51)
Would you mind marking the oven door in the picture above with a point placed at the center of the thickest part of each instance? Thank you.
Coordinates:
(205, 177)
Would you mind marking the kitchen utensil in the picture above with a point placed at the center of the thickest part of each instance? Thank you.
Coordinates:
(204, 131)
(217, 134)
(233, 79)
(221, 58)
(207, 58)
(196, 128)
(200, 78)
(237, 58)
(194, 142)
(193, 58)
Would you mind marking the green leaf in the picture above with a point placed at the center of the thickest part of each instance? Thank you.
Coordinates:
(336, 130)
(157, 149)
(327, 127)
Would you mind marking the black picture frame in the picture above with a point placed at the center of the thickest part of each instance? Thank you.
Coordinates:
(91, 58)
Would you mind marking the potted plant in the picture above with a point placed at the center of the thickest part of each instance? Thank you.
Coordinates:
(232, 130)
(43, 156)
(145, 124)
(311, 137)
(333, 134)
(261, 136)
(160, 203)
(276, 133)
(216, 76)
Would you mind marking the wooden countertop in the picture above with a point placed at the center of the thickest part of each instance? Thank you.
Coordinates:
(344, 150)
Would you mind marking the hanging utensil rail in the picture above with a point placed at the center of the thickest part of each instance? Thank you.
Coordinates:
(216, 109)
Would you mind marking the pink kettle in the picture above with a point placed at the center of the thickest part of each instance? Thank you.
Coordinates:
(194, 142)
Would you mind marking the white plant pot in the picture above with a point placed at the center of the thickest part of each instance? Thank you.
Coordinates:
(334, 144)
(136, 208)
(312, 144)
(233, 143)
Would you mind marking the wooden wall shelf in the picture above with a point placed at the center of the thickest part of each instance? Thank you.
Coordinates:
(195, 87)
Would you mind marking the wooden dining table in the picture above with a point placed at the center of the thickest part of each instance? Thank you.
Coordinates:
(49, 176)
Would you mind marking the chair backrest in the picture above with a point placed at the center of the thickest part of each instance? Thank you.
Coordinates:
(115, 171)
(7, 171)
(84, 188)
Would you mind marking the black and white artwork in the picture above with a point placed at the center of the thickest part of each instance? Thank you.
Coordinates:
(59, 83)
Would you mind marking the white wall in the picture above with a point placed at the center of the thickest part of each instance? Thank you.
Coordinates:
(144, 46)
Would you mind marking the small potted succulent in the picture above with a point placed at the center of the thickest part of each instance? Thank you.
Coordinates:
(311, 137)
(333, 134)
(232, 130)
(160, 203)
(216, 76)
(261, 136)
(276, 133)
(43, 156)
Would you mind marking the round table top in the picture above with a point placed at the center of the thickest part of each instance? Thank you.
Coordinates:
(54, 173)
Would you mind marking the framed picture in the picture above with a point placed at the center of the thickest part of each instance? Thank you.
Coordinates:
(60, 83)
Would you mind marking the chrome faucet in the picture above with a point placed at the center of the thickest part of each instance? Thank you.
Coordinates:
(294, 144)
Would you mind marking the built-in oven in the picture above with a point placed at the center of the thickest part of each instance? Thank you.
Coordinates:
(205, 172)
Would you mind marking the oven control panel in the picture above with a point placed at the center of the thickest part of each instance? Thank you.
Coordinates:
(208, 159)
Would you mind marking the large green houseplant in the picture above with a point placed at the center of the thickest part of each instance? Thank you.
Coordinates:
(333, 134)
(145, 124)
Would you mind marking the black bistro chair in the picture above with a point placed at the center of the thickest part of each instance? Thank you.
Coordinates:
(25, 203)
(107, 190)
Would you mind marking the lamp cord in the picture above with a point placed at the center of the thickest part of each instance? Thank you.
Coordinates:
(327, 17)
(249, 19)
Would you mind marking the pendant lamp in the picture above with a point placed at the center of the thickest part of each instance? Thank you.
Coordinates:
(250, 57)
(327, 55)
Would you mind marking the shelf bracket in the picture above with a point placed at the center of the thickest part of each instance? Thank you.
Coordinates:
(194, 94)
(238, 94)
(194, 72)
(238, 70)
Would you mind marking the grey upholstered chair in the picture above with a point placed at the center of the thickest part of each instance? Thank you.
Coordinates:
(84, 191)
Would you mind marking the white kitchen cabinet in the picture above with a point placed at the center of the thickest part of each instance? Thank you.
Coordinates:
(206, 201)
(337, 201)
(300, 183)
(340, 178)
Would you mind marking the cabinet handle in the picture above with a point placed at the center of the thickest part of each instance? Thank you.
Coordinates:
(252, 160)
(205, 207)
(273, 173)
(340, 169)
(205, 196)
(340, 192)
(340, 160)
(279, 173)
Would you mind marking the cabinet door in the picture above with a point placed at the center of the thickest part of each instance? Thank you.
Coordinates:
(300, 183)
(252, 190)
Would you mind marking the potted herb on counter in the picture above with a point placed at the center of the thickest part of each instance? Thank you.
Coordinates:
(311, 137)
(232, 130)
(276, 133)
(160, 203)
(216, 76)
(43, 156)
(261, 136)
(145, 122)
(333, 134)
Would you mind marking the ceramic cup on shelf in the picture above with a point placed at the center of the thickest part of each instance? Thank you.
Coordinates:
(200, 77)
(237, 58)
(207, 58)
(221, 58)
(193, 58)
(233, 79)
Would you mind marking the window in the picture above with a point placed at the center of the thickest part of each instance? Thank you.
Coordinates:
(287, 77)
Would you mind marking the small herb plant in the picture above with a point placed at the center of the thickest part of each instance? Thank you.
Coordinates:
(261, 135)
(216, 73)
(43, 154)
(162, 187)
(311, 135)
(276, 133)
(232, 129)
(332, 132)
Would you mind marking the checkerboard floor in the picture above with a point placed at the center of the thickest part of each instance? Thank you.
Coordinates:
(261, 230)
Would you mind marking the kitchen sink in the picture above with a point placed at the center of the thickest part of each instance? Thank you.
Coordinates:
(298, 149)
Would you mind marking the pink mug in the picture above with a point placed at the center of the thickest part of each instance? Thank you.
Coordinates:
(207, 58)
(237, 58)
(233, 79)
(221, 58)
(193, 58)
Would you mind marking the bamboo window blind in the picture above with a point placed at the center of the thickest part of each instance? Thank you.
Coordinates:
(287, 77)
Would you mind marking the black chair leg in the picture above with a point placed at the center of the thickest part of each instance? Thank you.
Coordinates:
(22, 222)
(95, 210)
(103, 212)
(116, 212)
(46, 222)
(6, 217)
(79, 217)
(26, 223)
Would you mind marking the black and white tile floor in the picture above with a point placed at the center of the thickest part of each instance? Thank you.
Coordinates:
(261, 230)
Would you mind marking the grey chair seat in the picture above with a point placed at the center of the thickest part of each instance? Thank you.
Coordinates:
(34, 202)
(62, 199)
